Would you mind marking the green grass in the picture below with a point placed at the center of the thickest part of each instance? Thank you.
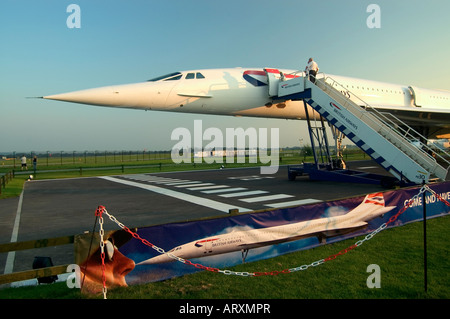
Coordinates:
(398, 252)
(13, 188)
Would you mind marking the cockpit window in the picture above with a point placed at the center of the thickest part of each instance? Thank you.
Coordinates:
(167, 77)
(176, 76)
(197, 75)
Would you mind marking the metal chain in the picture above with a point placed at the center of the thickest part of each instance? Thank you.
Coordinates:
(437, 195)
(285, 271)
(98, 213)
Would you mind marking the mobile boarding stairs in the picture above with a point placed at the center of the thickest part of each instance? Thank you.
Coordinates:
(396, 147)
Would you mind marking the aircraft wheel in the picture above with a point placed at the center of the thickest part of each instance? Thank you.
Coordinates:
(291, 176)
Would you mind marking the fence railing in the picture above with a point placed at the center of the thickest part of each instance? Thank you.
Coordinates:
(13, 159)
(39, 272)
(5, 178)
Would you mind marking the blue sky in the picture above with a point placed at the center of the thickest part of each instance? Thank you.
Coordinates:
(131, 41)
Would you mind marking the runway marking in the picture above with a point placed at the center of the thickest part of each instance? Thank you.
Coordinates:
(221, 190)
(215, 191)
(207, 187)
(170, 182)
(194, 185)
(294, 203)
(250, 178)
(212, 204)
(243, 194)
(12, 254)
(265, 198)
(155, 179)
(182, 183)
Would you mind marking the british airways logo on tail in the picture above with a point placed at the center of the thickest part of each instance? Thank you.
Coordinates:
(200, 243)
(376, 199)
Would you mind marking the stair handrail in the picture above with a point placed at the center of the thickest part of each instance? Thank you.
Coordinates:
(393, 125)
(410, 134)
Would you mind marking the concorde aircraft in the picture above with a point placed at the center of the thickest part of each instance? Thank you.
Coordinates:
(244, 92)
(371, 207)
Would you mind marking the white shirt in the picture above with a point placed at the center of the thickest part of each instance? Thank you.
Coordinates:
(312, 66)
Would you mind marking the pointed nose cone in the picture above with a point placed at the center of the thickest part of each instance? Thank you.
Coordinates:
(136, 95)
(156, 260)
(104, 96)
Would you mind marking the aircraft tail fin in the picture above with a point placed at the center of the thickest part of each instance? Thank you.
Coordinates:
(374, 199)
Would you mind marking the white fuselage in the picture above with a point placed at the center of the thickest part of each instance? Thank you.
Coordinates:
(371, 207)
(244, 92)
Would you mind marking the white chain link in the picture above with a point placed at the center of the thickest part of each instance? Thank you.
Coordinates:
(102, 251)
(434, 193)
(304, 267)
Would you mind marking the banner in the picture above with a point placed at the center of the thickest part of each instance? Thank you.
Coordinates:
(228, 241)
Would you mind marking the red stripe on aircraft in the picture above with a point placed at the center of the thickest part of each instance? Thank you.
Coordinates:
(254, 72)
(332, 104)
(373, 202)
(273, 71)
(207, 240)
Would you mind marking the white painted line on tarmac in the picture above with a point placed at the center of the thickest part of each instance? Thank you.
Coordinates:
(239, 194)
(265, 198)
(12, 254)
(225, 190)
(194, 185)
(207, 187)
(182, 183)
(178, 195)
